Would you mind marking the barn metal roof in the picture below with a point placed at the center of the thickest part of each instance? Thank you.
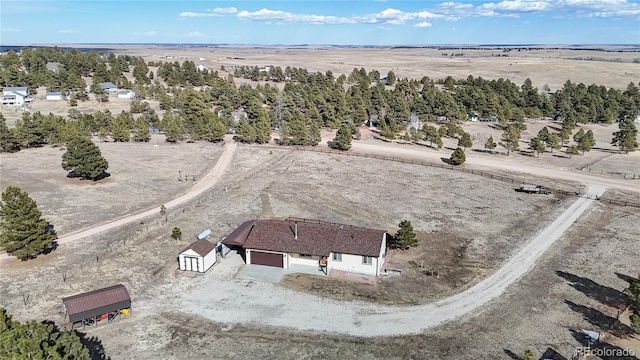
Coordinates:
(96, 299)
(239, 235)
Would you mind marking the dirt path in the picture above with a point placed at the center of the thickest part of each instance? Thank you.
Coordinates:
(209, 180)
(270, 304)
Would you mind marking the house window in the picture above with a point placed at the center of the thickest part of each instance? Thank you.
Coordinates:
(305, 256)
(337, 257)
(367, 260)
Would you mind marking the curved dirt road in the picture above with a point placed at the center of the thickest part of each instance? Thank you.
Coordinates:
(273, 305)
(209, 180)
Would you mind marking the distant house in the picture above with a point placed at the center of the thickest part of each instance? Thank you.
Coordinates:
(327, 246)
(54, 96)
(53, 66)
(473, 117)
(442, 119)
(374, 120)
(202, 67)
(15, 96)
(126, 94)
(237, 115)
(199, 256)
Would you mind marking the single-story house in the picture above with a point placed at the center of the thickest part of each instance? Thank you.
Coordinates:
(54, 96)
(109, 87)
(199, 256)
(90, 307)
(126, 94)
(15, 95)
(473, 117)
(201, 68)
(329, 246)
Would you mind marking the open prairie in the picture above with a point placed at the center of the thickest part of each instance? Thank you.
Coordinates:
(468, 225)
(550, 66)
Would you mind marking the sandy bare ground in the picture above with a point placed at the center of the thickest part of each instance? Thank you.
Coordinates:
(201, 186)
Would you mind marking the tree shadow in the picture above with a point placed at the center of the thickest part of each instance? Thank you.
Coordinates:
(551, 354)
(601, 320)
(626, 278)
(602, 349)
(96, 349)
(512, 355)
(447, 161)
(603, 294)
(103, 175)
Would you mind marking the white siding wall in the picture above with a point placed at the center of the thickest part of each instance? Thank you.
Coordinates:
(303, 261)
(209, 260)
(353, 263)
(383, 253)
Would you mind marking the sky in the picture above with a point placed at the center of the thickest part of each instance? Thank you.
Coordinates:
(345, 22)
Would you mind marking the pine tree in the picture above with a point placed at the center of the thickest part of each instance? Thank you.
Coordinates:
(405, 237)
(432, 135)
(294, 129)
(8, 137)
(510, 139)
(120, 129)
(490, 144)
(25, 233)
(553, 141)
(626, 137)
(458, 157)
(572, 150)
(262, 127)
(537, 146)
(34, 340)
(245, 132)
(83, 159)
(172, 126)
(578, 135)
(465, 140)
(342, 141)
(141, 131)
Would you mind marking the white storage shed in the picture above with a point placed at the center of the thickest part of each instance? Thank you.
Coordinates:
(200, 256)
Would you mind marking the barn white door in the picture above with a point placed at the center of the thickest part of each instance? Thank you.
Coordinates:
(194, 264)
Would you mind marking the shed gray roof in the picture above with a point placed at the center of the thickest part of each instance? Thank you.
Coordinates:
(107, 85)
(17, 89)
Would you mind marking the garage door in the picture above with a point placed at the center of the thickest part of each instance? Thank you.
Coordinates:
(269, 259)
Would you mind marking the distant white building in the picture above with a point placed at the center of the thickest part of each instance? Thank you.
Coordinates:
(126, 94)
(15, 96)
(54, 96)
(202, 67)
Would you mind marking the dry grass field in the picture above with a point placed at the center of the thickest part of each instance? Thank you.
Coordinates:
(142, 176)
(468, 225)
(550, 67)
(465, 234)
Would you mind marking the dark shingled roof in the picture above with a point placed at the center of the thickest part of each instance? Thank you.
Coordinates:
(96, 302)
(314, 238)
(239, 235)
(202, 247)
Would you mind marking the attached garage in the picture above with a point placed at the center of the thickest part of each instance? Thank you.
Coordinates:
(265, 258)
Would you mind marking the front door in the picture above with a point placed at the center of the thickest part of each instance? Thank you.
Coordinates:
(194, 264)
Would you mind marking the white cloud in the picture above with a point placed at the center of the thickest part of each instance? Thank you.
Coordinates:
(397, 17)
(10, 30)
(219, 10)
(284, 16)
(67, 31)
(422, 24)
(196, 34)
(513, 8)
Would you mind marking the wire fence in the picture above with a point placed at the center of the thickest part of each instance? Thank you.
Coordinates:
(482, 173)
